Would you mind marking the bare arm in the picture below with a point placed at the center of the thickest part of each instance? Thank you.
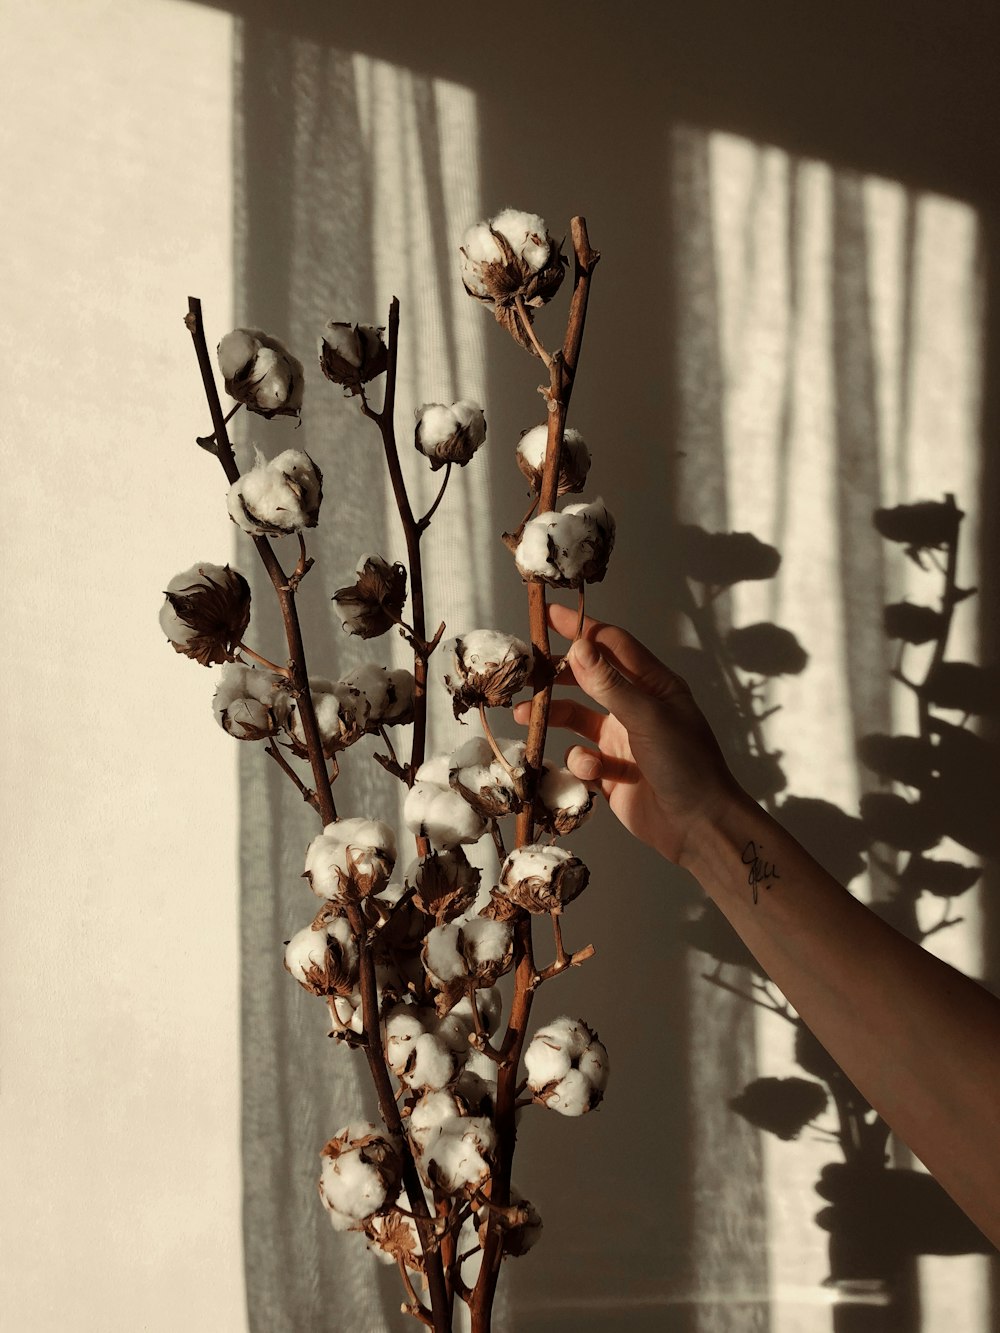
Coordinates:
(920, 1040)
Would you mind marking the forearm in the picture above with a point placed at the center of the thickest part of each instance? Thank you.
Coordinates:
(920, 1040)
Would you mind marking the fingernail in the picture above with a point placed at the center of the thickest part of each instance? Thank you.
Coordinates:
(585, 654)
(589, 769)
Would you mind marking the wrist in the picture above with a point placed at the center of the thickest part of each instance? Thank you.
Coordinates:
(714, 825)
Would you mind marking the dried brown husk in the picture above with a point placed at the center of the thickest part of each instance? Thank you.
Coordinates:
(336, 976)
(494, 686)
(445, 884)
(393, 1233)
(509, 278)
(547, 893)
(374, 358)
(491, 802)
(218, 612)
(500, 907)
(378, 597)
(563, 821)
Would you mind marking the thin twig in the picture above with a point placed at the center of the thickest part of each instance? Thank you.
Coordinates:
(271, 666)
(424, 522)
(501, 758)
(529, 329)
(208, 441)
(752, 999)
(308, 796)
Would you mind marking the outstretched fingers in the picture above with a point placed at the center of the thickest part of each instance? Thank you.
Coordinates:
(626, 654)
(570, 714)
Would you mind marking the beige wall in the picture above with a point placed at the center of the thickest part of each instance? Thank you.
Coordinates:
(119, 1180)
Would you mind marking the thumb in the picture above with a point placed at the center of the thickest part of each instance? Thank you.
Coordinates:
(605, 683)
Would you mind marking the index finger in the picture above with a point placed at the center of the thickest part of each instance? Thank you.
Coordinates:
(632, 658)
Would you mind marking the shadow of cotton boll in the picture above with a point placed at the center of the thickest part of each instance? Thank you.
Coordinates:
(836, 839)
(782, 1106)
(906, 759)
(964, 687)
(912, 826)
(766, 650)
(719, 559)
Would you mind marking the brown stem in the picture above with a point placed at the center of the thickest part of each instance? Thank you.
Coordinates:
(529, 329)
(271, 666)
(562, 372)
(425, 521)
(412, 533)
(440, 1296)
(416, 1306)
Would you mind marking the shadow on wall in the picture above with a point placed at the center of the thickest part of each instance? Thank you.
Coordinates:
(579, 113)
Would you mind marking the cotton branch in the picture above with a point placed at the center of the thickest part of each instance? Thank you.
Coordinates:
(285, 588)
(562, 373)
(298, 675)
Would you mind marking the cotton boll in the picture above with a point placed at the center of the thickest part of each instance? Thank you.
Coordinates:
(432, 1065)
(442, 816)
(403, 1025)
(352, 1186)
(567, 1066)
(488, 668)
(236, 350)
(278, 498)
(350, 859)
(246, 703)
(261, 373)
(574, 459)
(542, 879)
(449, 434)
(565, 801)
(324, 961)
(436, 770)
(569, 548)
(206, 612)
(442, 957)
(341, 717)
(352, 354)
(513, 266)
(545, 1062)
(457, 1158)
(527, 234)
(360, 1175)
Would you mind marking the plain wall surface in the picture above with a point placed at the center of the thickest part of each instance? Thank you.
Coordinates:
(119, 1165)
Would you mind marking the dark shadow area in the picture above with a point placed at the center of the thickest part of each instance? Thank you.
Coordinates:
(585, 108)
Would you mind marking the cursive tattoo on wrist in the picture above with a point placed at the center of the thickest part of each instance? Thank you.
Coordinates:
(760, 871)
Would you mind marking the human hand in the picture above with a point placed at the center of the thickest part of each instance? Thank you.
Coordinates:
(656, 759)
